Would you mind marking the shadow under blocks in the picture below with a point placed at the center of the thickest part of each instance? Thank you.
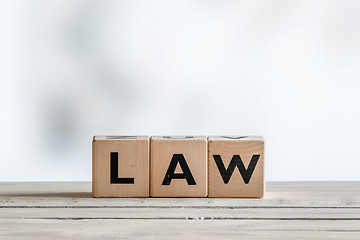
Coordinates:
(178, 166)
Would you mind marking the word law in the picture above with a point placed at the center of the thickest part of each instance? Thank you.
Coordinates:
(178, 166)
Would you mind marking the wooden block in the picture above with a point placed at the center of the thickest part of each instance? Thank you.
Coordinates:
(236, 166)
(178, 166)
(121, 166)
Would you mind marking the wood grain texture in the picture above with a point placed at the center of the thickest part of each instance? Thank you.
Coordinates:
(218, 213)
(133, 159)
(278, 195)
(225, 148)
(194, 151)
(176, 229)
(66, 210)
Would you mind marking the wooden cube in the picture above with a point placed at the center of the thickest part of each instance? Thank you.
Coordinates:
(178, 166)
(236, 166)
(121, 166)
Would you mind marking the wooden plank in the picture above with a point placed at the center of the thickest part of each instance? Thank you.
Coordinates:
(278, 195)
(18, 188)
(177, 229)
(184, 213)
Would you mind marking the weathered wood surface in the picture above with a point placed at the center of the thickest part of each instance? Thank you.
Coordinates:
(65, 210)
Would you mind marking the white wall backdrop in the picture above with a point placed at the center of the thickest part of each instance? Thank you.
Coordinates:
(287, 70)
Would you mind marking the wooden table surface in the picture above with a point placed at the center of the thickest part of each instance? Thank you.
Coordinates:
(66, 210)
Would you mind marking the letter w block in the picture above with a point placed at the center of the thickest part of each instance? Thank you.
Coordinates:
(236, 166)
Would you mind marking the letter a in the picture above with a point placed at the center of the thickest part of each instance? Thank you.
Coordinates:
(170, 174)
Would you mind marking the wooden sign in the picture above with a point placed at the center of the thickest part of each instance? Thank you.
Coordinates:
(178, 166)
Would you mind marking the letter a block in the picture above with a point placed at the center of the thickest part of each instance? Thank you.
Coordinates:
(178, 166)
(236, 166)
(121, 166)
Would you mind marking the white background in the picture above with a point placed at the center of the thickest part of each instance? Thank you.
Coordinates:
(287, 70)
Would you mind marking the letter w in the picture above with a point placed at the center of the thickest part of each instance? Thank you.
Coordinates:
(236, 161)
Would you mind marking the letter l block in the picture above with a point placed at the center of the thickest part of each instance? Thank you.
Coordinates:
(120, 166)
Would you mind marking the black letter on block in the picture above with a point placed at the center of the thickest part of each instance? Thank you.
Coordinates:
(170, 174)
(114, 171)
(236, 161)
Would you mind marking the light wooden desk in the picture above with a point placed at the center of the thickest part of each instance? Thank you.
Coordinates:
(291, 210)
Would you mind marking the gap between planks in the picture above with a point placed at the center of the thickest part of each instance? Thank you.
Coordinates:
(199, 218)
(190, 207)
